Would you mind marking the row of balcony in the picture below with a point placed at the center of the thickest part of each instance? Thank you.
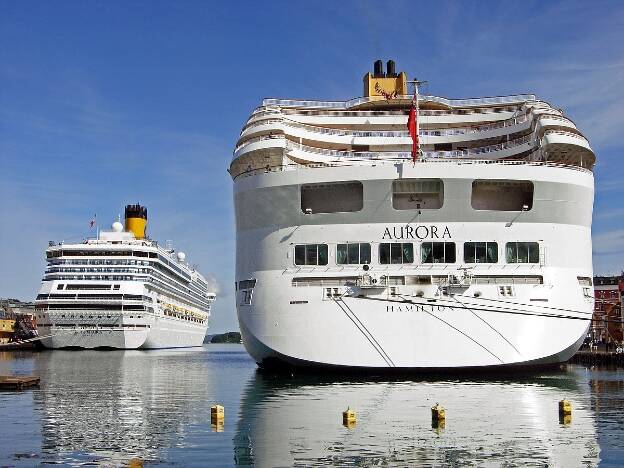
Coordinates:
(471, 102)
(564, 147)
(283, 142)
(471, 133)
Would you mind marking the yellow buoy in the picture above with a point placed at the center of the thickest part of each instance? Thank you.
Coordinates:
(565, 412)
(217, 414)
(565, 407)
(135, 463)
(438, 416)
(349, 418)
(217, 426)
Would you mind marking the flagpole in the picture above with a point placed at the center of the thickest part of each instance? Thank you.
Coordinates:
(416, 105)
(417, 123)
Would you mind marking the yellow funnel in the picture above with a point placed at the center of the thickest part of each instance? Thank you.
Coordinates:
(136, 220)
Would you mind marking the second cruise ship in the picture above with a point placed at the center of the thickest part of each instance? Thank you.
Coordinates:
(121, 290)
(409, 231)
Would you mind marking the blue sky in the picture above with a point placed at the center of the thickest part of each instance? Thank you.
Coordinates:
(104, 103)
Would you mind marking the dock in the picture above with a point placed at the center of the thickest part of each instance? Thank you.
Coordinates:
(598, 358)
(18, 382)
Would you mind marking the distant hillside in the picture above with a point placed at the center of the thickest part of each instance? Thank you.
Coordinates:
(229, 337)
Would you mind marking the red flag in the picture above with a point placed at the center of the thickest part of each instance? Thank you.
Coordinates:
(411, 126)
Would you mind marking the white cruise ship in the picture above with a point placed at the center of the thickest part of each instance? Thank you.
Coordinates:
(463, 243)
(121, 290)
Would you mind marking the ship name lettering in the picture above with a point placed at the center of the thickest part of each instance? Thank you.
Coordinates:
(413, 308)
(420, 232)
(405, 308)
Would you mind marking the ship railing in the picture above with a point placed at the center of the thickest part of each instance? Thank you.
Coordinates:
(369, 154)
(494, 100)
(455, 282)
(368, 281)
(568, 134)
(90, 301)
(91, 314)
(392, 161)
(555, 117)
(257, 139)
(387, 133)
(530, 138)
(261, 111)
(405, 154)
(95, 314)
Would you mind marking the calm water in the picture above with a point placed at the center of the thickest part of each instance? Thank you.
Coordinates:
(103, 408)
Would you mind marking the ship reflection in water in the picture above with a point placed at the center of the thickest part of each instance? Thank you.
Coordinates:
(119, 403)
(298, 422)
(104, 408)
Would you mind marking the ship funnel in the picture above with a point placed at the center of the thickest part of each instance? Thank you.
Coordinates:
(136, 220)
(390, 71)
(378, 69)
(385, 86)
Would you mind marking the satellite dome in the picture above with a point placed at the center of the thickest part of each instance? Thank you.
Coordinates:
(117, 226)
(181, 256)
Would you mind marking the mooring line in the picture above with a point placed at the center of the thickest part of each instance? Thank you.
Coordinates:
(370, 338)
(445, 322)
(501, 310)
(525, 304)
(367, 330)
(489, 325)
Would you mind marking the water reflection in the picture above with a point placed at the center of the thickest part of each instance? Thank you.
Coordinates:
(105, 408)
(298, 422)
(114, 405)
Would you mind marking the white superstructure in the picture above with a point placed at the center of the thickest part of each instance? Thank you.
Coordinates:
(121, 290)
(349, 253)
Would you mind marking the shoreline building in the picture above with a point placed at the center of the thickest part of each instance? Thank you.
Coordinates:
(17, 321)
(607, 326)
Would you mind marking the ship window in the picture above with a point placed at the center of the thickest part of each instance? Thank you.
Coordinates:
(395, 253)
(437, 252)
(417, 194)
(60, 286)
(247, 284)
(332, 197)
(522, 252)
(502, 195)
(246, 297)
(311, 254)
(353, 254)
(480, 252)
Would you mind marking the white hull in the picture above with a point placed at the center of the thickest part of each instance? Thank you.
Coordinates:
(159, 332)
(362, 333)
(411, 326)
